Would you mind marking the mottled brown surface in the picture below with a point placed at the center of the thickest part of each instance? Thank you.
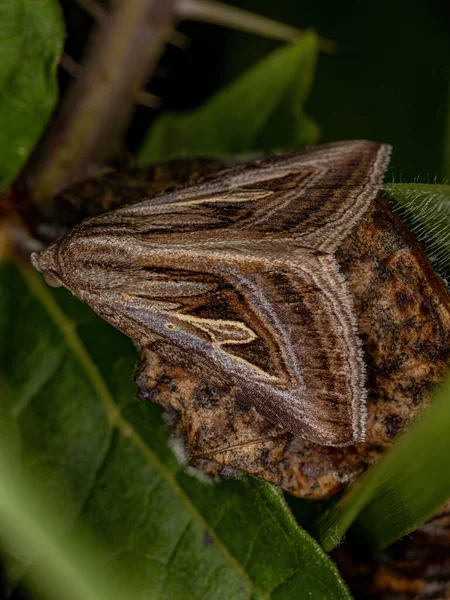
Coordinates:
(403, 311)
(403, 315)
(415, 568)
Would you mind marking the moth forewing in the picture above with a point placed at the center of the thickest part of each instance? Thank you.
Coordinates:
(234, 278)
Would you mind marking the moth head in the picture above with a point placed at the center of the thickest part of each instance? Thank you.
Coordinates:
(44, 262)
(86, 264)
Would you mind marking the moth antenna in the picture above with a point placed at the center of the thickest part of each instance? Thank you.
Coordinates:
(217, 13)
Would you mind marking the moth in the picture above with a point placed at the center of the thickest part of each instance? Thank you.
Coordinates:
(234, 278)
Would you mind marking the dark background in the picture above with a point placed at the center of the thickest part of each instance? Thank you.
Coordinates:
(388, 81)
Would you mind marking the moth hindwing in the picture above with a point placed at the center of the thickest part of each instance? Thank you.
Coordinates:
(234, 278)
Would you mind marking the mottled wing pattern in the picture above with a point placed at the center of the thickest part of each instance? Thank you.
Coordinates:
(235, 278)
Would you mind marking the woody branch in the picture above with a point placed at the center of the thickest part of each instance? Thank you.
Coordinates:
(121, 57)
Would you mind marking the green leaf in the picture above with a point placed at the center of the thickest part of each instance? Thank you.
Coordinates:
(174, 536)
(425, 208)
(446, 144)
(403, 490)
(261, 110)
(71, 569)
(31, 40)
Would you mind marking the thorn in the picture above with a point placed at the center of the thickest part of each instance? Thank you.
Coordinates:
(217, 13)
(71, 66)
(179, 40)
(144, 98)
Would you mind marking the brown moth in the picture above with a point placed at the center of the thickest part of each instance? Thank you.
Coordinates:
(234, 278)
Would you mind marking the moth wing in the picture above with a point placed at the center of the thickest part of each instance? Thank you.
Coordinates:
(279, 335)
(276, 319)
(313, 196)
(308, 310)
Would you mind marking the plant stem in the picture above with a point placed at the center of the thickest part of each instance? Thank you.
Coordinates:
(122, 55)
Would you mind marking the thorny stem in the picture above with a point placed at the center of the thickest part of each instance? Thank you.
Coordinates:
(123, 53)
